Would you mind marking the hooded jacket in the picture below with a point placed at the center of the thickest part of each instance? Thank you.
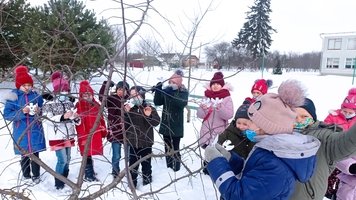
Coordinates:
(270, 171)
(335, 146)
(27, 129)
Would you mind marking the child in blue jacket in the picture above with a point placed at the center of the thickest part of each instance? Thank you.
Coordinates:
(22, 108)
(279, 158)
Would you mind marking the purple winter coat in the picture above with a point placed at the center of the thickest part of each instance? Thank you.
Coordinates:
(347, 186)
(216, 122)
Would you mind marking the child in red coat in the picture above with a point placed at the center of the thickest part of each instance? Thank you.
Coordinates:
(89, 109)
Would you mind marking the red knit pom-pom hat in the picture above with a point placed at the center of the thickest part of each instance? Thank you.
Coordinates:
(84, 87)
(22, 77)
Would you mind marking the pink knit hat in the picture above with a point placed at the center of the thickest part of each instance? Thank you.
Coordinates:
(350, 100)
(177, 78)
(60, 84)
(274, 113)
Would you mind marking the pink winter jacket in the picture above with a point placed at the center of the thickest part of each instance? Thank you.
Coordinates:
(336, 117)
(347, 189)
(216, 122)
(347, 186)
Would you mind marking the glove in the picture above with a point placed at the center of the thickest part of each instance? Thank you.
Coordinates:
(212, 152)
(223, 151)
(157, 86)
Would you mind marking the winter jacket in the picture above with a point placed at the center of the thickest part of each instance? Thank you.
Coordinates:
(334, 147)
(270, 171)
(336, 117)
(115, 122)
(27, 129)
(215, 119)
(173, 102)
(139, 127)
(88, 112)
(60, 132)
(242, 145)
(347, 186)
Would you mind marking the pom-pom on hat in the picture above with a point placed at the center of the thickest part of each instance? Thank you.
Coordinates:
(59, 83)
(84, 87)
(274, 113)
(241, 112)
(350, 100)
(310, 108)
(22, 76)
(262, 85)
(218, 78)
(177, 78)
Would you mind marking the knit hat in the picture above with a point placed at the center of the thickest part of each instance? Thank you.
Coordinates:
(84, 87)
(122, 84)
(350, 100)
(177, 78)
(274, 113)
(241, 112)
(22, 76)
(140, 90)
(218, 78)
(262, 85)
(310, 107)
(59, 82)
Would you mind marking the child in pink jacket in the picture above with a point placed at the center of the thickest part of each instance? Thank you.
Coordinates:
(347, 186)
(216, 110)
(345, 118)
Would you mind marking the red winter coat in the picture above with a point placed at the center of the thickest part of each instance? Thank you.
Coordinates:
(336, 117)
(88, 112)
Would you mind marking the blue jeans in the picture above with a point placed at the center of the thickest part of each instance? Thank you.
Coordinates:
(116, 156)
(63, 159)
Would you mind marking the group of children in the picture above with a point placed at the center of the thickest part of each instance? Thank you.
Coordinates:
(272, 135)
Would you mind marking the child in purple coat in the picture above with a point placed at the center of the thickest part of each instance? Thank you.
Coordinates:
(347, 177)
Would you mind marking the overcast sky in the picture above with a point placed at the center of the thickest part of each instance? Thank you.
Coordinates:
(299, 22)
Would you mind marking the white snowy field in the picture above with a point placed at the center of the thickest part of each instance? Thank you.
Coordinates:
(327, 92)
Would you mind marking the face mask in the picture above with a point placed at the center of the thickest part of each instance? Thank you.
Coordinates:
(303, 125)
(63, 96)
(137, 101)
(173, 86)
(250, 134)
(349, 116)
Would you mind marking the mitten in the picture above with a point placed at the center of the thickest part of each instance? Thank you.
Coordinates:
(223, 151)
(157, 86)
(211, 153)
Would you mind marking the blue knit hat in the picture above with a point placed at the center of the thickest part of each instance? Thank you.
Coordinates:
(310, 107)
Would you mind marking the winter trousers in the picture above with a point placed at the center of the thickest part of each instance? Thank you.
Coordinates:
(136, 154)
(27, 165)
(116, 156)
(333, 184)
(62, 167)
(172, 144)
(89, 174)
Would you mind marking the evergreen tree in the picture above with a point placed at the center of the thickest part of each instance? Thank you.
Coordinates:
(255, 35)
(59, 32)
(13, 16)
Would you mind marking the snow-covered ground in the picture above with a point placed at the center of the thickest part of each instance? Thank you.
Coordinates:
(327, 92)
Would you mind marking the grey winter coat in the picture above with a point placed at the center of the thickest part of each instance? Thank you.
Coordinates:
(335, 146)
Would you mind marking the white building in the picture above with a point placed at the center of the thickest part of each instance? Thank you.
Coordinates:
(338, 53)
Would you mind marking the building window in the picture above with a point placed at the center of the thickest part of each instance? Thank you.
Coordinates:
(334, 44)
(332, 63)
(351, 44)
(350, 63)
